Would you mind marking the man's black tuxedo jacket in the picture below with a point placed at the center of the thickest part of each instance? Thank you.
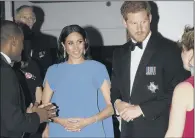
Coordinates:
(162, 54)
(14, 119)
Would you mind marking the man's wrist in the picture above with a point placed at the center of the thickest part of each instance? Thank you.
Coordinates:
(115, 107)
(141, 111)
(116, 102)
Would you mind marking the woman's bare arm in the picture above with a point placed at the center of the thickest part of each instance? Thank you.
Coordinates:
(179, 106)
(108, 110)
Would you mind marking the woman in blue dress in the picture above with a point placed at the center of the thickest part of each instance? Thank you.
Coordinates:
(81, 89)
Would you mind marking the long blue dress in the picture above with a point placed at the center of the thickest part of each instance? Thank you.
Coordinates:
(77, 92)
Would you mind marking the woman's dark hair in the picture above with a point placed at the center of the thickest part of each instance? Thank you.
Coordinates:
(61, 57)
(25, 55)
(187, 40)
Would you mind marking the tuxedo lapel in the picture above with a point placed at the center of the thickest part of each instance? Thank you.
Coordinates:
(22, 99)
(125, 68)
(148, 53)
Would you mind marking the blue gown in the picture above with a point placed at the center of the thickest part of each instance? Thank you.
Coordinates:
(77, 92)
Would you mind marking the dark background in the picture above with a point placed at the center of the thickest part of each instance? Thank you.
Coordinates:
(2, 7)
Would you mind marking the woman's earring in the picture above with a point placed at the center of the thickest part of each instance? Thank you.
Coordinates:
(84, 52)
(64, 50)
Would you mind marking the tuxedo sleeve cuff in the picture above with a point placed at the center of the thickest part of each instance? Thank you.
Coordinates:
(142, 113)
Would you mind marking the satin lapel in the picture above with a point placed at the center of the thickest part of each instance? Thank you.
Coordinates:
(22, 99)
(125, 68)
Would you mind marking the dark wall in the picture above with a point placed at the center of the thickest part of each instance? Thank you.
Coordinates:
(104, 55)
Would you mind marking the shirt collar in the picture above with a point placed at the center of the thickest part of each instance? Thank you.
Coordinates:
(6, 57)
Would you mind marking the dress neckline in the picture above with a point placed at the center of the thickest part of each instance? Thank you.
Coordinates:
(76, 64)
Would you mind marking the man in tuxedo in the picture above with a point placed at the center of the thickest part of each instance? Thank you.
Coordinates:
(145, 71)
(15, 119)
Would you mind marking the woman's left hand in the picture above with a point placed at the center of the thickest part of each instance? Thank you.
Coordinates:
(79, 123)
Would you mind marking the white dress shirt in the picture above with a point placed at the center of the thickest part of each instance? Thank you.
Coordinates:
(136, 56)
(6, 57)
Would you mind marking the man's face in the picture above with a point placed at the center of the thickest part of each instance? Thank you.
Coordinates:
(138, 25)
(17, 47)
(27, 17)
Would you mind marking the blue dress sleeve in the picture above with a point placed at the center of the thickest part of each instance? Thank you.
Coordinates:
(49, 77)
(101, 75)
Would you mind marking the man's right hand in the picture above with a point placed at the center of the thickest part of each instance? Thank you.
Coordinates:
(45, 112)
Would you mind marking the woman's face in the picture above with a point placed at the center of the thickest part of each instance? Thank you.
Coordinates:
(75, 46)
(187, 57)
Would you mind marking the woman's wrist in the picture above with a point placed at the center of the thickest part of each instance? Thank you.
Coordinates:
(56, 120)
(93, 119)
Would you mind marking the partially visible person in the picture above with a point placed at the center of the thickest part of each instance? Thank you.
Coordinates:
(25, 15)
(28, 74)
(44, 55)
(181, 122)
(16, 119)
(80, 87)
(28, 71)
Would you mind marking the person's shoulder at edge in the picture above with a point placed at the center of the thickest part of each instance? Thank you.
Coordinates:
(183, 90)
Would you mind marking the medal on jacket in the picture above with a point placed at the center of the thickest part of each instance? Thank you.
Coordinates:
(152, 87)
(41, 54)
(28, 75)
(150, 70)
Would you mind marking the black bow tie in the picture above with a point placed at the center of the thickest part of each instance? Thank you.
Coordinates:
(138, 44)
